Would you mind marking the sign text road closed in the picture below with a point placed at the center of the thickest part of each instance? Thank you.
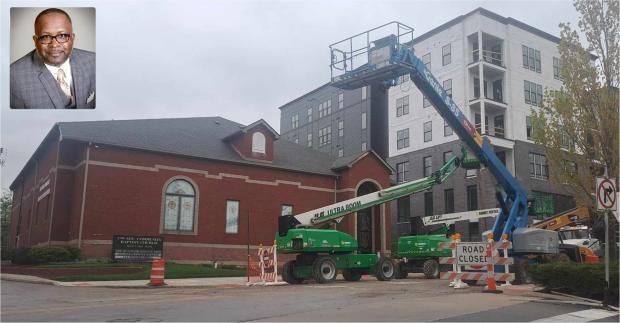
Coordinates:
(471, 253)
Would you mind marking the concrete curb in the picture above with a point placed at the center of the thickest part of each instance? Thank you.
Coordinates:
(217, 282)
(27, 279)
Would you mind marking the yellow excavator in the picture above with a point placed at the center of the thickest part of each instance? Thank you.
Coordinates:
(570, 218)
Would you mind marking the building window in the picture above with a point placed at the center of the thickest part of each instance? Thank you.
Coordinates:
(556, 68)
(363, 120)
(310, 140)
(446, 55)
(295, 121)
(364, 92)
(402, 171)
(403, 206)
(448, 199)
(402, 79)
(531, 58)
(309, 114)
(478, 123)
(477, 88)
(447, 130)
(232, 216)
(341, 128)
(538, 166)
(428, 166)
(258, 143)
(287, 209)
(180, 205)
(532, 93)
(570, 168)
(566, 142)
(325, 108)
(340, 152)
(428, 203)
(447, 155)
(402, 138)
(426, 59)
(402, 106)
(447, 86)
(364, 146)
(325, 136)
(472, 198)
(425, 102)
(340, 100)
(543, 205)
(528, 127)
(498, 126)
(428, 131)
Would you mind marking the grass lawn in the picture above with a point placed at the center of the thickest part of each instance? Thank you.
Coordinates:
(173, 270)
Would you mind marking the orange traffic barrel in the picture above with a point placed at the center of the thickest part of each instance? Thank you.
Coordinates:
(157, 272)
(591, 259)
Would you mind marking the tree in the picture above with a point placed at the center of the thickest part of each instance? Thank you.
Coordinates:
(6, 200)
(578, 124)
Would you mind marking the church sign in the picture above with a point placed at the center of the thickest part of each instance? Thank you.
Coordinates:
(137, 248)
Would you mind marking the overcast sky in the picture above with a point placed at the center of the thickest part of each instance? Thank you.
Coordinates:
(237, 59)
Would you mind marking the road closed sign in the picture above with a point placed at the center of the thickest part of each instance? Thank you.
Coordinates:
(471, 253)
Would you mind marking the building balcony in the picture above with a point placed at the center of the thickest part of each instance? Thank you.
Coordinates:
(488, 56)
(489, 103)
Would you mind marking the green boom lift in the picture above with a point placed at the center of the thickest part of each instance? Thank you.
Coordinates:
(321, 253)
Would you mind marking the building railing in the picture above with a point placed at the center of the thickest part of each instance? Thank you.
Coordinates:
(498, 100)
(488, 56)
(499, 132)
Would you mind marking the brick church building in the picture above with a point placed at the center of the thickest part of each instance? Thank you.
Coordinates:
(209, 186)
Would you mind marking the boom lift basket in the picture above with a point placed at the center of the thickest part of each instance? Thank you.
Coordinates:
(369, 54)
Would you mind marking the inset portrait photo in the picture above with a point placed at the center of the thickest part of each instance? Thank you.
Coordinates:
(52, 58)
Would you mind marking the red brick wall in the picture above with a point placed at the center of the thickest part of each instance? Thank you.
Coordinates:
(125, 195)
(129, 201)
(243, 143)
(33, 216)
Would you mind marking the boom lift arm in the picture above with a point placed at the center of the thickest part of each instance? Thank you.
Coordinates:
(335, 212)
(388, 58)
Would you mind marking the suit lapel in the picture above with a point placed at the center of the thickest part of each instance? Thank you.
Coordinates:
(50, 85)
(79, 83)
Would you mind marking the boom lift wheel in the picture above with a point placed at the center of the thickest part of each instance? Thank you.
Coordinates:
(385, 269)
(401, 271)
(431, 269)
(351, 275)
(324, 270)
(288, 273)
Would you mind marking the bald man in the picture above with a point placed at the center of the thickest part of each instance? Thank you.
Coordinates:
(54, 75)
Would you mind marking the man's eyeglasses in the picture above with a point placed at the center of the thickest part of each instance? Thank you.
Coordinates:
(47, 39)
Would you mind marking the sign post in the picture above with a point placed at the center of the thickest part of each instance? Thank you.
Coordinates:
(606, 201)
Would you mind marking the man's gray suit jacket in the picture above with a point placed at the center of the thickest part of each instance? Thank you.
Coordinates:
(33, 86)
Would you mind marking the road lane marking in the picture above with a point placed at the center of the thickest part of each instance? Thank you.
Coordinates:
(580, 316)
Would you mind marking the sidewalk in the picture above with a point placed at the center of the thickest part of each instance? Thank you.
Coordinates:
(185, 282)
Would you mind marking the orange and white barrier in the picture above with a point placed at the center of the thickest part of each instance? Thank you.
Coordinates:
(157, 273)
(266, 265)
(493, 258)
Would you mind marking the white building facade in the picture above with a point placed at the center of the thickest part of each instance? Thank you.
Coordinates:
(496, 87)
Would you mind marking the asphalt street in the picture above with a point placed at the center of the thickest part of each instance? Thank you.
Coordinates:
(413, 299)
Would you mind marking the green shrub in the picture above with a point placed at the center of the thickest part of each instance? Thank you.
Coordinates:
(76, 253)
(585, 280)
(21, 256)
(43, 255)
(7, 253)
